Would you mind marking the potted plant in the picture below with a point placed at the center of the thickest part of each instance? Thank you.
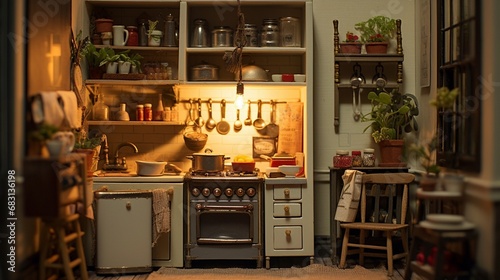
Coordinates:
(94, 59)
(376, 32)
(42, 137)
(351, 44)
(110, 60)
(392, 115)
(154, 36)
(130, 63)
(90, 146)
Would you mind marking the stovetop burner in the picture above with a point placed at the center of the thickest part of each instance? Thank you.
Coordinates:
(223, 174)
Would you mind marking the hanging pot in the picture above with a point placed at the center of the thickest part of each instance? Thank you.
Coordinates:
(207, 161)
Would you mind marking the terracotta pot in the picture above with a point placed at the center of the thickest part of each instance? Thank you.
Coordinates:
(391, 153)
(92, 156)
(376, 47)
(354, 48)
(103, 25)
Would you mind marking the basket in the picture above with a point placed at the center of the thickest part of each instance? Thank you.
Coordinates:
(195, 141)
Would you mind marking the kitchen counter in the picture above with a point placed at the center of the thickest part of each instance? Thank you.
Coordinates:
(286, 180)
(132, 177)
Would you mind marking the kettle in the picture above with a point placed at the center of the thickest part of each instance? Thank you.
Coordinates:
(252, 73)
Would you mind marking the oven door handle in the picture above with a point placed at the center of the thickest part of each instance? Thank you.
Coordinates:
(202, 207)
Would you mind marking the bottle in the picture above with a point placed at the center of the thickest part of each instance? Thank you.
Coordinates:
(158, 113)
(148, 112)
(342, 159)
(174, 114)
(369, 157)
(169, 36)
(357, 160)
(167, 114)
(101, 110)
(133, 36)
(143, 33)
(139, 112)
(122, 115)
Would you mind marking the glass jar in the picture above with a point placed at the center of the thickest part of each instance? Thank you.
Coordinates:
(222, 36)
(290, 32)
(357, 160)
(101, 110)
(251, 35)
(139, 112)
(270, 34)
(342, 159)
(148, 112)
(369, 157)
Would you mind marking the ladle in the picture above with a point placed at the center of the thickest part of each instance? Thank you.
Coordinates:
(210, 124)
(259, 123)
(199, 120)
(248, 120)
(237, 123)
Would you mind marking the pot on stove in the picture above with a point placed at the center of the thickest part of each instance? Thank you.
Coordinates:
(207, 161)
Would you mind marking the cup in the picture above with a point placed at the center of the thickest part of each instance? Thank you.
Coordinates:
(120, 35)
(287, 77)
(67, 138)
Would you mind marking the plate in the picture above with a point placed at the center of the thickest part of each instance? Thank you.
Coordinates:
(445, 218)
(461, 226)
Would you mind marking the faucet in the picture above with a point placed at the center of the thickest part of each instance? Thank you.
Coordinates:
(123, 164)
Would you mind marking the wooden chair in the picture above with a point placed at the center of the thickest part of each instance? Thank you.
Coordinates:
(385, 198)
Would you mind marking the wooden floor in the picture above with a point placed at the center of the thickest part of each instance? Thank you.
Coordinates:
(369, 264)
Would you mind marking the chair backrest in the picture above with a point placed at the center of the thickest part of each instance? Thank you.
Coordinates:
(384, 197)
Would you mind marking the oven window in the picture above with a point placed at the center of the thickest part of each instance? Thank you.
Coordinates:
(222, 225)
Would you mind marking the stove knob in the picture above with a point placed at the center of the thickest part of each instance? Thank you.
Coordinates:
(195, 192)
(228, 192)
(240, 192)
(217, 192)
(206, 192)
(250, 192)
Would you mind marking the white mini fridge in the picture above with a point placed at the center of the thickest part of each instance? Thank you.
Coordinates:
(123, 232)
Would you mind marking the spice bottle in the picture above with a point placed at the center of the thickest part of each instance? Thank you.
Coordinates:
(369, 157)
(158, 113)
(139, 112)
(357, 160)
(167, 114)
(148, 112)
(122, 115)
(342, 159)
(174, 114)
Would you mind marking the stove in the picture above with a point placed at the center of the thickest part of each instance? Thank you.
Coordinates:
(223, 217)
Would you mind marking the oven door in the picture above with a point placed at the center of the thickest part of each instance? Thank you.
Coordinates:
(226, 223)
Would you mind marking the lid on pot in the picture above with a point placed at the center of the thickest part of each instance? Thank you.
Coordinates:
(205, 66)
(207, 152)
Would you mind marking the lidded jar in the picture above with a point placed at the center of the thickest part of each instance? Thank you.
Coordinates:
(357, 160)
(290, 32)
(222, 36)
(369, 157)
(342, 159)
(270, 33)
(250, 32)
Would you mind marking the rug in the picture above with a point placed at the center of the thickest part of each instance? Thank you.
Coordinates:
(311, 272)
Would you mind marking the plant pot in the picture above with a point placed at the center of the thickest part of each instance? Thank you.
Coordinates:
(354, 48)
(376, 47)
(92, 157)
(428, 183)
(111, 67)
(391, 153)
(124, 67)
(103, 25)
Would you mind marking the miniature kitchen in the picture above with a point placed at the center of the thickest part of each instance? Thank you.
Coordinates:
(198, 134)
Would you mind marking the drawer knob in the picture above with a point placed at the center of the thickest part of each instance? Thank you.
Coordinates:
(128, 205)
(286, 209)
(286, 192)
(288, 232)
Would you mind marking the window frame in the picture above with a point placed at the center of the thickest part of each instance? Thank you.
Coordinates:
(459, 65)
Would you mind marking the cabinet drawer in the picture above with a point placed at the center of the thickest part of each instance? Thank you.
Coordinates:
(287, 237)
(287, 210)
(287, 192)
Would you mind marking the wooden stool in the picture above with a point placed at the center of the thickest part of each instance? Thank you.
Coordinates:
(59, 238)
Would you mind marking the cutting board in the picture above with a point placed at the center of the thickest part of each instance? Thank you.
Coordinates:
(290, 119)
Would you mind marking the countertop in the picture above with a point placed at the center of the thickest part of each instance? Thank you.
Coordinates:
(286, 180)
(132, 177)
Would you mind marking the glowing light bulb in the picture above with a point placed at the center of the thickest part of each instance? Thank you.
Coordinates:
(239, 102)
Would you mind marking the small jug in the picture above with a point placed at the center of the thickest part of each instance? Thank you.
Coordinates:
(120, 35)
(67, 138)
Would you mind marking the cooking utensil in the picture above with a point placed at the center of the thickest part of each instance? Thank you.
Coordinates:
(204, 72)
(272, 129)
(252, 73)
(150, 168)
(199, 120)
(189, 119)
(248, 120)
(207, 161)
(210, 124)
(223, 126)
(237, 123)
(259, 123)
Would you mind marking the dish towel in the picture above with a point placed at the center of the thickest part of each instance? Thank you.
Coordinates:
(161, 212)
(57, 108)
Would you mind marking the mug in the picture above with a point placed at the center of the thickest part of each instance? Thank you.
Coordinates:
(120, 35)
(67, 139)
